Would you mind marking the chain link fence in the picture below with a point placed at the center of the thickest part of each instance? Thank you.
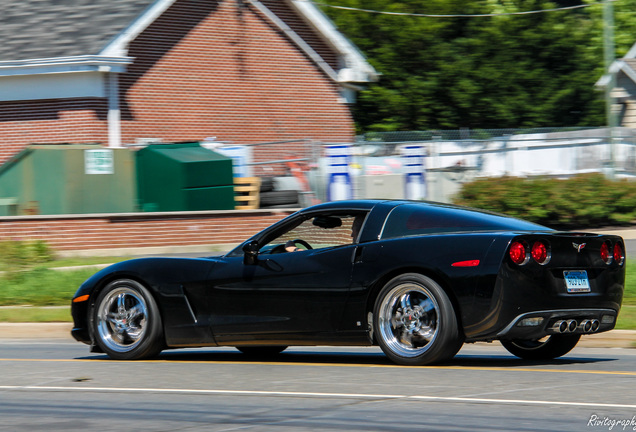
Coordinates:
(457, 156)
(378, 166)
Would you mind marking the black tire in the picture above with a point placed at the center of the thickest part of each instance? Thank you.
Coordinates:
(267, 184)
(261, 350)
(554, 346)
(278, 197)
(126, 323)
(414, 321)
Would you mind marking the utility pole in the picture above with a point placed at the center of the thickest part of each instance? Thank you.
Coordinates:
(609, 55)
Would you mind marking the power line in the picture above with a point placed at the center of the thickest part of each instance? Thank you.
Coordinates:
(457, 16)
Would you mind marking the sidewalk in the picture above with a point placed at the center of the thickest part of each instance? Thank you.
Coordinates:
(628, 233)
(36, 331)
(62, 331)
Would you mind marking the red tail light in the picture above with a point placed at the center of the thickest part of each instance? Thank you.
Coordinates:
(540, 252)
(518, 253)
(605, 253)
(619, 256)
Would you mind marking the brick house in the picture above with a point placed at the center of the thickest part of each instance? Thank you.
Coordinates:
(119, 72)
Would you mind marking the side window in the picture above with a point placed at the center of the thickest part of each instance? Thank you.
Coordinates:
(320, 231)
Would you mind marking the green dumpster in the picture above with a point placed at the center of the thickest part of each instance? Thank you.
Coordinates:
(184, 177)
(68, 179)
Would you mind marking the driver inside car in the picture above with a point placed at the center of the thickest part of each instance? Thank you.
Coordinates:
(290, 245)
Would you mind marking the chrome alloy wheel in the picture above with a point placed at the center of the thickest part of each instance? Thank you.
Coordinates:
(409, 319)
(121, 319)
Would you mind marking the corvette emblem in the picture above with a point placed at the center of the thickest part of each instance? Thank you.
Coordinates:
(579, 247)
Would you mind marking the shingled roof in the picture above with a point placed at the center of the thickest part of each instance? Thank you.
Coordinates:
(55, 36)
(33, 29)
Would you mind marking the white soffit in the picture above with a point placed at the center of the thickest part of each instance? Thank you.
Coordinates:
(52, 86)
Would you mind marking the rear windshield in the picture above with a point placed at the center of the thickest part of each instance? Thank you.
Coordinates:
(416, 219)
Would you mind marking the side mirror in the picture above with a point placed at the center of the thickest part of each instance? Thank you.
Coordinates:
(251, 253)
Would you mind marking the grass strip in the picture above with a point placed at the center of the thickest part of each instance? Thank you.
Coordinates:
(627, 318)
(629, 297)
(42, 287)
(80, 261)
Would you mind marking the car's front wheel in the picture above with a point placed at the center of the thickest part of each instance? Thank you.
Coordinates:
(543, 349)
(126, 323)
(415, 322)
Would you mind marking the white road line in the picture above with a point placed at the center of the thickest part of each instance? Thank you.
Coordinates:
(522, 402)
(318, 395)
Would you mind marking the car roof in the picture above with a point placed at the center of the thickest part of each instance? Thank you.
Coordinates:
(366, 204)
(445, 209)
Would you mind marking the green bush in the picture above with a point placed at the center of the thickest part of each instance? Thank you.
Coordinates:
(581, 201)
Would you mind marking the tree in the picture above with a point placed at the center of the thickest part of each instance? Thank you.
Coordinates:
(505, 71)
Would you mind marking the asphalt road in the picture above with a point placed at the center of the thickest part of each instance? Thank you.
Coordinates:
(59, 386)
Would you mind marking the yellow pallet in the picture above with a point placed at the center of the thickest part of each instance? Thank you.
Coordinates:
(247, 192)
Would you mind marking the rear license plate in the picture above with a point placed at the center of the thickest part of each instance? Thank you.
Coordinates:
(576, 281)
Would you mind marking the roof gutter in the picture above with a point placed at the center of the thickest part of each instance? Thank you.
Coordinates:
(89, 63)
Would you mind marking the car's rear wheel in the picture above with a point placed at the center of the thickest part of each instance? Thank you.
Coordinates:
(261, 350)
(543, 349)
(126, 321)
(414, 321)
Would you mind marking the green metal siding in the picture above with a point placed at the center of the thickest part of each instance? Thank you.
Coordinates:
(52, 179)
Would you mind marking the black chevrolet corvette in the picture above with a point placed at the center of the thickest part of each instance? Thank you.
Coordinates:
(417, 279)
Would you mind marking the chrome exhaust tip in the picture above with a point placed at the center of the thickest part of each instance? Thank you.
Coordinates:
(595, 325)
(572, 325)
(585, 326)
(560, 326)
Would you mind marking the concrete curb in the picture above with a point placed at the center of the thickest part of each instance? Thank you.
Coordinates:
(61, 331)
